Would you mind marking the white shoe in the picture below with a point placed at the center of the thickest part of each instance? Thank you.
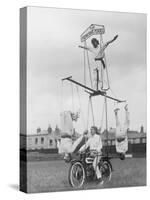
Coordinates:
(99, 177)
(100, 181)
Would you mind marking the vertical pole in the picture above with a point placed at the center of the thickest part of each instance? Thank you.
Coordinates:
(62, 100)
(92, 110)
(106, 123)
(88, 61)
(101, 66)
(84, 64)
(88, 114)
(107, 76)
(72, 97)
(97, 79)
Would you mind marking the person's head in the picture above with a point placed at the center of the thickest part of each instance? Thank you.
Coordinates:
(95, 42)
(85, 133)
(94, 130)
(67, 157)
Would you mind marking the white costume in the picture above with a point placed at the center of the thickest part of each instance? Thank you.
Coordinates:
(121, 133)
(66, 123)
(66, 145)
(97, 53)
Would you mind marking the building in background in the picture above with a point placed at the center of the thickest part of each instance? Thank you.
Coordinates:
(47, 139)
(43, 139)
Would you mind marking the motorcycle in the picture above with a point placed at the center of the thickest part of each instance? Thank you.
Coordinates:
(82, 170)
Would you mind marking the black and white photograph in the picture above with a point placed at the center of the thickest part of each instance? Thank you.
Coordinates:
(83, 99)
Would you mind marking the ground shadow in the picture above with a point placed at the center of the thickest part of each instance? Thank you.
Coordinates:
(14, 186)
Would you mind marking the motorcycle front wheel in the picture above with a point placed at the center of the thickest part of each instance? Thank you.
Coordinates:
(76, 175)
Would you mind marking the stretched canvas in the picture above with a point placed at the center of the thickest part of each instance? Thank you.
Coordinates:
(82, 99)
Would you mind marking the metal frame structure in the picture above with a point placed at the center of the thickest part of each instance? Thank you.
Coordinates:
(94, 29)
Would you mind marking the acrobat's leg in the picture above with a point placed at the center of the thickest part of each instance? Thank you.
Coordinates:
(65, 145)
(127, 120)
(96, 78)
(116, 117)
(103, 63)
(58, 146)
(77, 144)
(96, 167)
(99, 74)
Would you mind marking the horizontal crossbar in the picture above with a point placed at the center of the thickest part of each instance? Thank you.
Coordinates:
(91, 91)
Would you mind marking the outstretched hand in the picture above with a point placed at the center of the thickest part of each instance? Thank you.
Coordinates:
(115, 37)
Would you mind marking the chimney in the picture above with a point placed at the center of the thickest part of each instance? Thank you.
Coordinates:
(57, 129)
(38, 130)
(49, 129)
(142, 129)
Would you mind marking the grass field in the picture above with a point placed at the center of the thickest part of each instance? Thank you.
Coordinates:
(47, 176)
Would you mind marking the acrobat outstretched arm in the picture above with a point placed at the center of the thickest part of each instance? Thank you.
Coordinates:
(100, 55)
(86, 48)
(109, 42)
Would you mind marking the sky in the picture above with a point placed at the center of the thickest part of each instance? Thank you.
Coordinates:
(53, 36)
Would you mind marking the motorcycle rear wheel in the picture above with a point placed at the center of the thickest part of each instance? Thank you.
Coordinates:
(106, 171)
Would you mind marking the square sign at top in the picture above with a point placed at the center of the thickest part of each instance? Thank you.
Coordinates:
(93, 29)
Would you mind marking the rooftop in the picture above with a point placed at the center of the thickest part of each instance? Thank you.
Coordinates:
(111, 135)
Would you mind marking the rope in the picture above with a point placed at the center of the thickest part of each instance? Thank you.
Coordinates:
(101, 66)
(88, 61)
(88, 114)
(106, 72)
(113, 93)
(106, 122)
(80, 105)
(102, 117)
(101, 40)
(72, 95)
(62, 103)
(92, 111)
(84, 51)
(102, 74)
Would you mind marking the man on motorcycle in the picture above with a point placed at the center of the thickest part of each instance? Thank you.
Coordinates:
(94, 143)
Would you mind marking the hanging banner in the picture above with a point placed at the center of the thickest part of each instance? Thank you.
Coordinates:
(93, 29)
